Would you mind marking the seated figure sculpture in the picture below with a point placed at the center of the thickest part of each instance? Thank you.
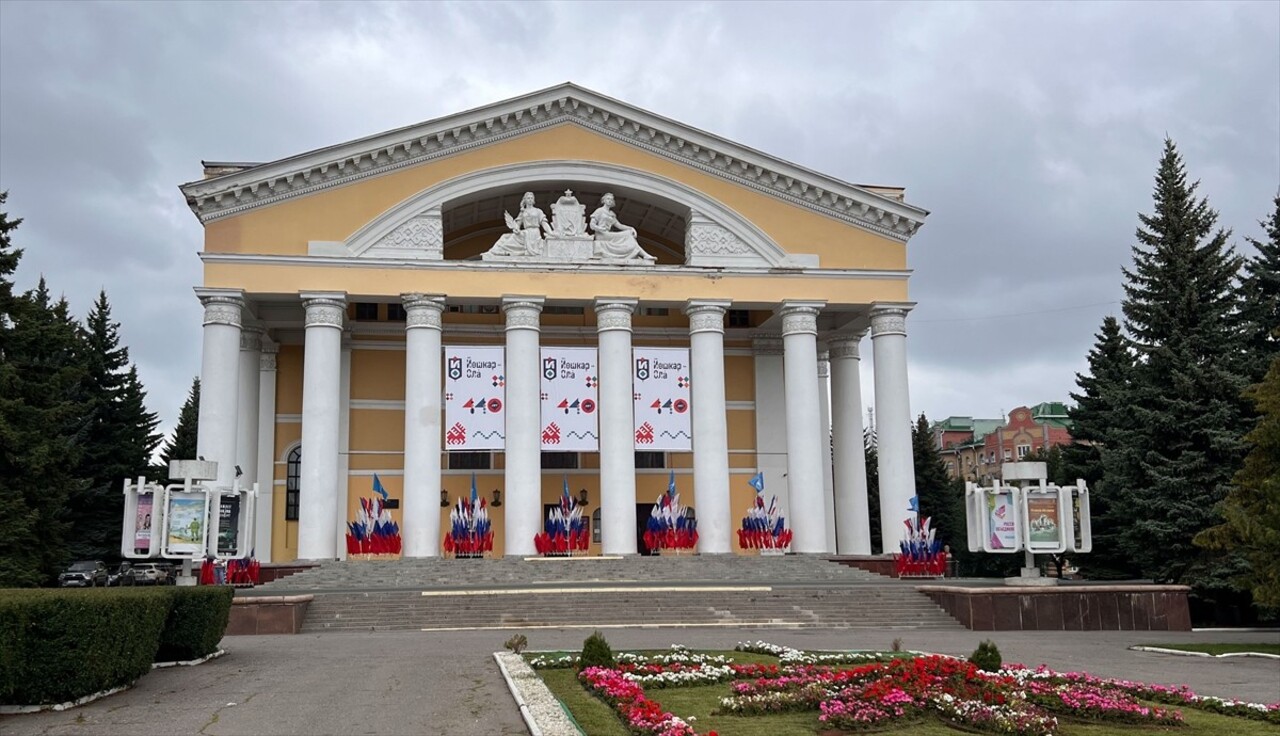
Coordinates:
(618, 244)
(525, 237)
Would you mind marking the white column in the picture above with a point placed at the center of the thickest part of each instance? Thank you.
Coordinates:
(523, 477)
(321, 400)
(340, 507)
(771, 427)
(710, 427)
(219, 383)
(893, 420)
(421, 510)
(247, 408)
(617, 427)
(266, 471)
(853, 526)
(804, 450)
(828, 486)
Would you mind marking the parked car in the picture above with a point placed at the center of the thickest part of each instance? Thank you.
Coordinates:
(149, 573)
(117, 577)
(84, 574)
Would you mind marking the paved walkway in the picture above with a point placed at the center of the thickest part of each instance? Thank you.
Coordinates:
(447, 683)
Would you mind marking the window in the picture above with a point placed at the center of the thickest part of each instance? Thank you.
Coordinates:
(1008, 454)
(595, 526)
(1023, 451)
(470, 460)
(367, 311)
(555, 309)
(395, 313)
(473, 308)
(293, 471)
(739, 318)
(654, 311)
(560, 460)
(648, 459)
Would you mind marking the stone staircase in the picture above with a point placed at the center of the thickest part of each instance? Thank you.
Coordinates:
(442, 594)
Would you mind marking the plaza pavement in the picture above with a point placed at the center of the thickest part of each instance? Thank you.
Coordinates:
(431, 683)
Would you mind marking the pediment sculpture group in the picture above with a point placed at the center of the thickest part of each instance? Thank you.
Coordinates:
(565, 236)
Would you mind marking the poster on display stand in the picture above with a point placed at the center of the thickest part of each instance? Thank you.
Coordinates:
(660, 388)
(474, 398)
(570, 400)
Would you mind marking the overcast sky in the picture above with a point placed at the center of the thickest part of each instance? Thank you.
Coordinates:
(1031, 131)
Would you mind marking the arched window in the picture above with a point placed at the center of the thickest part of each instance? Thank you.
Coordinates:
(293, 470)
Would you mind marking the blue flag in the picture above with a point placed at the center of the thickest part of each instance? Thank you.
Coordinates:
(671, 484)
(474, 495)
(377, 487)
(757, 482)
(914, 504)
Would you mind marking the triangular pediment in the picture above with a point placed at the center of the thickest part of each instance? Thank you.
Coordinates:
(246, 187)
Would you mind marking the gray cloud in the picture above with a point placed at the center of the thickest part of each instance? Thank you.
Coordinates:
(1032, 132)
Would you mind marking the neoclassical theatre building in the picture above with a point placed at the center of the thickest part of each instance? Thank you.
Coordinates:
(558, 289)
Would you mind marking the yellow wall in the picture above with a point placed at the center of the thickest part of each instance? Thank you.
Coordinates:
(335, 214)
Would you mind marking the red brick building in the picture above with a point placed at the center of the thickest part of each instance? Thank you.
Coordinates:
(974, 449)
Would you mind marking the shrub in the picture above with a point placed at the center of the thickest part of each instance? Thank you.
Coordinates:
(517, 643)
(197, 621)
(59, 645)
(987, 657)
(596, 652)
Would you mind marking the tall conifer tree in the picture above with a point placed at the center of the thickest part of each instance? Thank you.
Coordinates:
(182, 445)
(1170, 464)
(940, 497)
(1260, 307)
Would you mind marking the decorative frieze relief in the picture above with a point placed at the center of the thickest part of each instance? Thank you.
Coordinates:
(420, 237)
(614, 315)
(705, 317)
(799, 319)
(888, 321)
(267, 361)
(844, 347)
(213, 199)
(522, 314)
(766, 345)
(251, 338)
(223, 310)
(422, 311)
(324, 312)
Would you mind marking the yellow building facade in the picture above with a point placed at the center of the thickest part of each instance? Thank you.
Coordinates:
(336, 281)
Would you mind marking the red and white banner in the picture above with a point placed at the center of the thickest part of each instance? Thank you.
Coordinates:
(474, 398)
(660, 386)
(570, 400)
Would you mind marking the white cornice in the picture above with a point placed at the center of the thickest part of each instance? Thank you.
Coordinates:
(269, 183)
(490, 266)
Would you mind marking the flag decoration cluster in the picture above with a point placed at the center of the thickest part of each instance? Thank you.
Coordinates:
(474, 398)
(763, 528)
(565, 530)
(373, 532)
(669, 525)
(470, 531)
(920, 552)
(569, 400)
(660, 384)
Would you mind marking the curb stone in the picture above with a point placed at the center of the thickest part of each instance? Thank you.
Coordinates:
(539, 708)
(1184, 653)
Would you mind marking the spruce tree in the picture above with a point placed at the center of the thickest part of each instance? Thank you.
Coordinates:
(1171, 462)
(120, 440)
(182, 445)
(1260, 299)
(873, 485)
(939, 497)
(1252, 509)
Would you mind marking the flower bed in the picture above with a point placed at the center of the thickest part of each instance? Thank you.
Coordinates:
(890, 693)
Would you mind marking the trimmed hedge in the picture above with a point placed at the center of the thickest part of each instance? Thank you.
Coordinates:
(60, 645)
(197, 620)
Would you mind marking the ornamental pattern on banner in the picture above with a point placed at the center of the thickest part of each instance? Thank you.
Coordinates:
(474, 398)
(660, 386)
(570, 400)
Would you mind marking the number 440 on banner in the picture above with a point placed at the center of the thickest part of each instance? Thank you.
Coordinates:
(660, 385)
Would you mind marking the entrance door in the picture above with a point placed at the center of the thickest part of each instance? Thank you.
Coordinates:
(643, 510)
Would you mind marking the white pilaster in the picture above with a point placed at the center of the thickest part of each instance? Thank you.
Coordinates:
(523, 477)
(853, 526)
(420, 510)
(219, 383)
(341, 506)
(824, 408)
(617, 427)
(893, 420)
(247, 408)
(771, 427)
(804, 450)
(266, 449)
(710, 427)
(321, 433)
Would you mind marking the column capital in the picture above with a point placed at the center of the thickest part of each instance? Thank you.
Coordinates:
(845, 345)
(614, 313)
(522, 312)
(706, 315)
(324, 308)
(889, 319)
(267, 360)
(251, 338)
(222, 306)
(800, 317)
(765, 344)
(422, 310)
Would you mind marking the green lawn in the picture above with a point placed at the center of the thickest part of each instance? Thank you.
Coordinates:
(1262, 648)
(598, 719)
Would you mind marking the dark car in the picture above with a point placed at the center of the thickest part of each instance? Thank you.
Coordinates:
(84, 574)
